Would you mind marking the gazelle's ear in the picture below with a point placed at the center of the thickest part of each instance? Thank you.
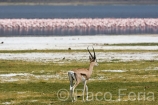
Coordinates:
(91, 59)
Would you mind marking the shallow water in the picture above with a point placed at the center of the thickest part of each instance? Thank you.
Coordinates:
(97, 11)
(77, 12)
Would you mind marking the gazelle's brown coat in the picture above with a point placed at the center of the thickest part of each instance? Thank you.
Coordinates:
(81, 75)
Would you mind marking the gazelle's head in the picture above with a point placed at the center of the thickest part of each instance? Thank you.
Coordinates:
(93, 58)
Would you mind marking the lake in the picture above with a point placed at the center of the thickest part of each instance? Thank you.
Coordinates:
(97, 11)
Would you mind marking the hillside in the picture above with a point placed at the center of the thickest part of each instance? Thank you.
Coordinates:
(75, 2)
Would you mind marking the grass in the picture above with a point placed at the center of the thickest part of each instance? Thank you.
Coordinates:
(84, 50)
(133, 44)
(73, 50)
(46, 93)
(139, 79)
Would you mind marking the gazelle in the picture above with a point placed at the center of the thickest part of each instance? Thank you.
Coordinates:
(81, 75)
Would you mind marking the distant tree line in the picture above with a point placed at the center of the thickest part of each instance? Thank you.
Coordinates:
(82, 1)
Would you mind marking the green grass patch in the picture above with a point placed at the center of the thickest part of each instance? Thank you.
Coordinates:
(138, 76)
(133, 44)
(72, 50)
(35, 51)
(8, 66)
(11, 66)
(47, 93)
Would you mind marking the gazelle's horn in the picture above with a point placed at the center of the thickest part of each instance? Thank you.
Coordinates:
(90, 52)
(94, 53)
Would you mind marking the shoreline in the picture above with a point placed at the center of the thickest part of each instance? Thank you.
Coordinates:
(80, 3)
(78, 42)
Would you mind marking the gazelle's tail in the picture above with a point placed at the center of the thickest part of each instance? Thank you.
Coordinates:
(72, 77)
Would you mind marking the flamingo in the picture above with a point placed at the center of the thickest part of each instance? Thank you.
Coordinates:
(83, 26)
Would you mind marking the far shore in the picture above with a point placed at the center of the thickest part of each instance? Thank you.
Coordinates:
(81, 3)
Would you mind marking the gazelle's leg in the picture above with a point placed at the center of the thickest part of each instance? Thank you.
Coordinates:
(71, 90)
(84, 89)
(70, 75)
(76, 79)
(75, 85)
(86, 93)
